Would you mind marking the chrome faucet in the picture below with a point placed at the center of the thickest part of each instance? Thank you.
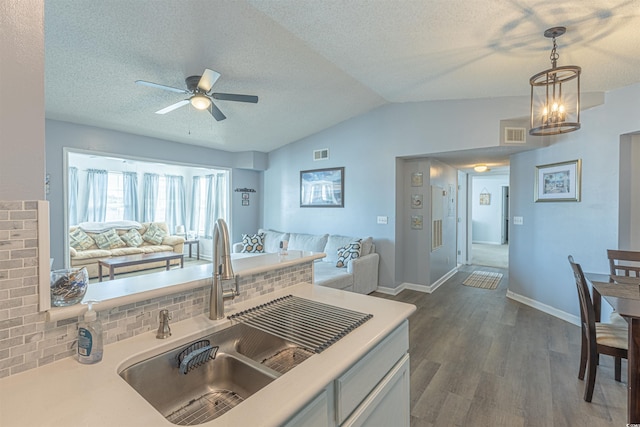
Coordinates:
(222, 270)
(164, 331)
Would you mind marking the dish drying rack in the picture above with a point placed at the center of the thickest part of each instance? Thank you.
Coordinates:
(312, 325)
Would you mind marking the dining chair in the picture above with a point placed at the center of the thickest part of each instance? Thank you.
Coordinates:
(597, 338)
(624, 264)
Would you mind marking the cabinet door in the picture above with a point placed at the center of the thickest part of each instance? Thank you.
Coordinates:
(388, 404)
(315, 414)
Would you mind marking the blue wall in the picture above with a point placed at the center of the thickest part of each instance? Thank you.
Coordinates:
(538, 266)
(368, 147)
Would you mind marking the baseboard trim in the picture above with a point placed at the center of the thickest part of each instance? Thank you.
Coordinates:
(390, 291)
(427, 289)
(563, 315)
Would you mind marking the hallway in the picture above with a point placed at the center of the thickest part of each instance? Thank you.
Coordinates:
(490, 255)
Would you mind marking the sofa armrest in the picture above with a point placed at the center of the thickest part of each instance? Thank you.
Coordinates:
(365, 273)
(173, 240)
(72, 251)
(236, 248)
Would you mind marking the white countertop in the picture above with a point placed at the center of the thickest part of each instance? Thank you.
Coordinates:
(129, 290)
(67, 393)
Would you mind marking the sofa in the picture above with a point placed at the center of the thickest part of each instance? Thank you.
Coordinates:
(350, 264)
(93, 241)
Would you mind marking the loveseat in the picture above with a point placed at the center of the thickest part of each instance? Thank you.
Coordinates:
(93, 241)
(351, 263)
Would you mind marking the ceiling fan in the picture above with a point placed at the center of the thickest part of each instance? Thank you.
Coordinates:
(200, 95)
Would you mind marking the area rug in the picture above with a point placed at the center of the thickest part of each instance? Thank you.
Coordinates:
(483, 279)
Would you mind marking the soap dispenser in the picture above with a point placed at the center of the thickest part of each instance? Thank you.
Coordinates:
(90, 336)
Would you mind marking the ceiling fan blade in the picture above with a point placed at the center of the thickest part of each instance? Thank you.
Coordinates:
(173, 107)
(209, 77)
(216, 113)
(235, 97)
(163, 87)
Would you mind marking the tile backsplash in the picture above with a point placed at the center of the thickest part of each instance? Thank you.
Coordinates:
(27, 340)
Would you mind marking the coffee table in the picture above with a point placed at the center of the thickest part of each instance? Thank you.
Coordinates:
(127, 260)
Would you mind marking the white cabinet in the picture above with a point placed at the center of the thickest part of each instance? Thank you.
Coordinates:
(374, 392)
(354, 385)
(315, 414)
(388, 404)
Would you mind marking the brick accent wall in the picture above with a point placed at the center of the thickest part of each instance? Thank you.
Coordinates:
(28, 341)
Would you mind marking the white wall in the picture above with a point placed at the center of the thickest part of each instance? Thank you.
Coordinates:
(538, 250)
(22, 100)
(629, 215)
(487, 219)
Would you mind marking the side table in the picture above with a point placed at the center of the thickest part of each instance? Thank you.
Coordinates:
(190, 243)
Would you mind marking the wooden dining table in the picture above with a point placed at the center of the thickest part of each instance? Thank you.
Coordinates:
(623, 295)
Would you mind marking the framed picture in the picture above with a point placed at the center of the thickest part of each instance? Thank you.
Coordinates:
(245, 202)
(558, 182)
(245, 196)
(416, 179)
(416, 222)
(322, 188)
(416, 201)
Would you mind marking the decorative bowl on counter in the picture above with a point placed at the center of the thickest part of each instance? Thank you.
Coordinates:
(68, 286)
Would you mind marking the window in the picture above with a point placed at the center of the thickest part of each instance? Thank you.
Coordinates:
(115, 197)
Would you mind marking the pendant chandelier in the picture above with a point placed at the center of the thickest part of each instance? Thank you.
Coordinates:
(555, 95)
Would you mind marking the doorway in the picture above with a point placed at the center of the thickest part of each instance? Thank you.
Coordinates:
(489, 220)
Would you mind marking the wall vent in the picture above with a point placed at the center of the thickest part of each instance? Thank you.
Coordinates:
(515, 135)
(320, 154)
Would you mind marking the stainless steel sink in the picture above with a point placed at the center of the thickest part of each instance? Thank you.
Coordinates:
(216, 386)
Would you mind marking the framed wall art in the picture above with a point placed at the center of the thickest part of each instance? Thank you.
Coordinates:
(416, 179)
(558, 182)
(322, 188)
(416, 201)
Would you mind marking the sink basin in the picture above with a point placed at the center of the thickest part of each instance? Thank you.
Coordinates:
(217, 385)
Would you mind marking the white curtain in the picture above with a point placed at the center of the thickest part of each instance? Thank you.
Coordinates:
(73, 196)
(130, 196)
(95, 196)
(175, 209)
(150, 196)
(196, 203)
(216, 201)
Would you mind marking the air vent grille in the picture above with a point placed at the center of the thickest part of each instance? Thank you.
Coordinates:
(320, 154)
(515, 135)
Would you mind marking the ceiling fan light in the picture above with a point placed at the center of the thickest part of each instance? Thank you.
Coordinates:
(200, 102)
(481, 168)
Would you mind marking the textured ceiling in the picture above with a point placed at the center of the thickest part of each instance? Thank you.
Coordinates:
(314, 63)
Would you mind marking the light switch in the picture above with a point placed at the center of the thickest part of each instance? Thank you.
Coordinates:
(382, 220)
(517, 220)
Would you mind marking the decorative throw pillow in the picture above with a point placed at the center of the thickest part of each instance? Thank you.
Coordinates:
(154, 234)
(132, 238)
(348, 253)
(79, 240)
(253, 243)
(109, 240)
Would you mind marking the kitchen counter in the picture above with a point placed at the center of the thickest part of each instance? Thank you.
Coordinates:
(130, 290)
(66, 393)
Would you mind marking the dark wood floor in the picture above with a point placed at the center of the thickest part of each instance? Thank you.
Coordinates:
(481, 359)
